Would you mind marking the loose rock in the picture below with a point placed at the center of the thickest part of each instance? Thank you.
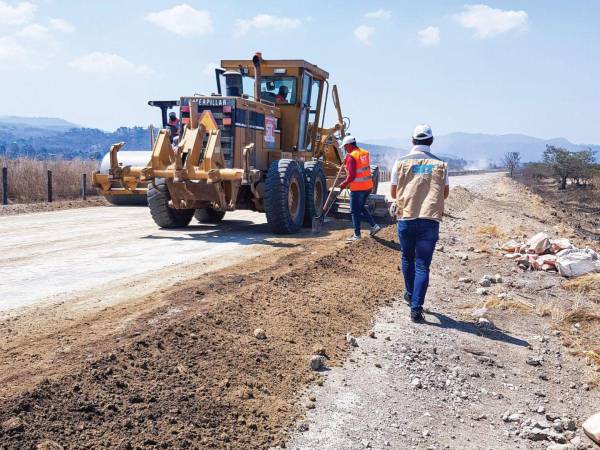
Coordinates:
(259, 333)
(317, 362)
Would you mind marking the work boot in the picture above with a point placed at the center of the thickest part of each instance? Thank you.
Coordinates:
(407, 298)
(353, 238)
(375, 229)
(417, 316)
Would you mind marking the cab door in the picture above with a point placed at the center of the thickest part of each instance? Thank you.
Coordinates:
(307, 82)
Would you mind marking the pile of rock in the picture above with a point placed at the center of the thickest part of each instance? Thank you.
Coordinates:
(559, 430)
(551, 255)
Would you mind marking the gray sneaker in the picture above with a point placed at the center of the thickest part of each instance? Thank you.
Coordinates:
(353, 238)
(374, 230)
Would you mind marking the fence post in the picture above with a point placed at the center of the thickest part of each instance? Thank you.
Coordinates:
(49, 186)
(83, 184)
(5, 185)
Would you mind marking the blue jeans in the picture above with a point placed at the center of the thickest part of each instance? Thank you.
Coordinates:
(417, 240)
(358, 200)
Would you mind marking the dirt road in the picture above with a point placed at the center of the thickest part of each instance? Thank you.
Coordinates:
(107, 254)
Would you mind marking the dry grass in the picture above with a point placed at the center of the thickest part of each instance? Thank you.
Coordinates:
(588, 285)
(27, 179)
(508, 304)
(491, 231)
(581, 316)
(584, 338)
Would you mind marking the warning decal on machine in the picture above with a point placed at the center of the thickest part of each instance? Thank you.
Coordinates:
(270, 125)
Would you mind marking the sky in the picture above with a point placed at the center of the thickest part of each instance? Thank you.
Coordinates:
(530, 67)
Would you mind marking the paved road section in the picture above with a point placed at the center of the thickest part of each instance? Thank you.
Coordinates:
(105, 254)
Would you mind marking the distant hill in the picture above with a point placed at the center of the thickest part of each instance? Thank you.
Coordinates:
(48, 123)
(384, 156)
(489, 147)
(44, 138)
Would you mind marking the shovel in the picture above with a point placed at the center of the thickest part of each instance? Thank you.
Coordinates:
(317, 222)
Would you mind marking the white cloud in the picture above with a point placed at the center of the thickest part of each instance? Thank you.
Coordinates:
(107, 63)
(34, 31)
(11, 51)
(264, 22)
(61, 26)
(20, 14)
(209, 69)
(363, 33)
(488, 22)
(429, 36)
(382, 14)
(182, 20)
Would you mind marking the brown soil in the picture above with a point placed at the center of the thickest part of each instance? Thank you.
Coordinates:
(27, 208)
(192, 375)
(577, 205)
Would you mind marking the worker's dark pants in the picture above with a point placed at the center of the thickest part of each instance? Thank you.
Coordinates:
(360, 212)
(417, 239)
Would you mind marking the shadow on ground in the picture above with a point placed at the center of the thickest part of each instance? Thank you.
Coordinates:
(243, 232)
(471, 328)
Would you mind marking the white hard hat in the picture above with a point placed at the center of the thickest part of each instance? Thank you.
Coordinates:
(348, 139)
(422, 132)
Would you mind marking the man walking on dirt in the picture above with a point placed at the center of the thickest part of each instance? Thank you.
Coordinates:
(358, 178)
(419, 185)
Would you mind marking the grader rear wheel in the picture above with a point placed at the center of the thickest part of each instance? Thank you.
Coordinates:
(316, 190)
(285, 197)
(164, 216)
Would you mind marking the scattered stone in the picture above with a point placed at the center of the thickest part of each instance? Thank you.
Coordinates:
(317, 362)
(13, 425)
(533, 361)
(569, 424)
(372, 334)
(485, 282)
(541, 410)
(561, 447)
(319, 350)
(259, 333)
(502, 296)
(351, 340)
(465, 280)
(378, 365)
(303, 427)
(482, 291)
(48, 444)
(416, 383)
(497, 278)
(387, 338)
(426, 433)
(479, 312)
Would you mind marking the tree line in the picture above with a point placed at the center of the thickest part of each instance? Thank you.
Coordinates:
(576, 168)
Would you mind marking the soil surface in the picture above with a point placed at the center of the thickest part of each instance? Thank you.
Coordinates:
(183, 368)
(57, 205)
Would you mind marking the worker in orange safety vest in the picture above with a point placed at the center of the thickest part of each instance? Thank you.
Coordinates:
(360, 182)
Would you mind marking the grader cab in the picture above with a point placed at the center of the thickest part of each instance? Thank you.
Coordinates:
(263, 148)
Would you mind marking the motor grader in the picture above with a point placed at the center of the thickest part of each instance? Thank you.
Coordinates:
(265, 150)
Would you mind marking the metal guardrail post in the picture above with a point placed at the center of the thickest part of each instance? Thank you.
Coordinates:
(5, 185)
(83, 186)
(49, 186)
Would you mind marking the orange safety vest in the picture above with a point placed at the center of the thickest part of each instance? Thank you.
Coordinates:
(363, 180)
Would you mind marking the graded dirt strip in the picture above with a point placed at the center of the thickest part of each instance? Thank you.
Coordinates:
(191, 374)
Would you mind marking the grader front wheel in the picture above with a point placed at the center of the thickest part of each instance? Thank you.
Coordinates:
(285, 197)
(164, 216)
(209, 215)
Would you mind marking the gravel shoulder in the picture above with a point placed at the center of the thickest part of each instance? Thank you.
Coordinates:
(506, 382)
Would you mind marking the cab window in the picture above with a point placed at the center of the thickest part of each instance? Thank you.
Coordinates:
(279, 90)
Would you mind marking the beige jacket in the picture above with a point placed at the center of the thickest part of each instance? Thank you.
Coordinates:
(421, 179)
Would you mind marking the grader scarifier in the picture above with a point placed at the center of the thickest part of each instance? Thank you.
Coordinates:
(265, 151)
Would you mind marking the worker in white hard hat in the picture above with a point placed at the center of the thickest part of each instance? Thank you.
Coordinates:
(419, 185)
(360, 182)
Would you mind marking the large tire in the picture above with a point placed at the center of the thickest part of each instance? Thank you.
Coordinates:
(209, 215)
(127, 200)
(375, 178)
(315, 185)
(162, 213)
(285, 197)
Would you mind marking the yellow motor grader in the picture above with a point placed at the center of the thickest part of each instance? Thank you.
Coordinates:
(265, 150)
